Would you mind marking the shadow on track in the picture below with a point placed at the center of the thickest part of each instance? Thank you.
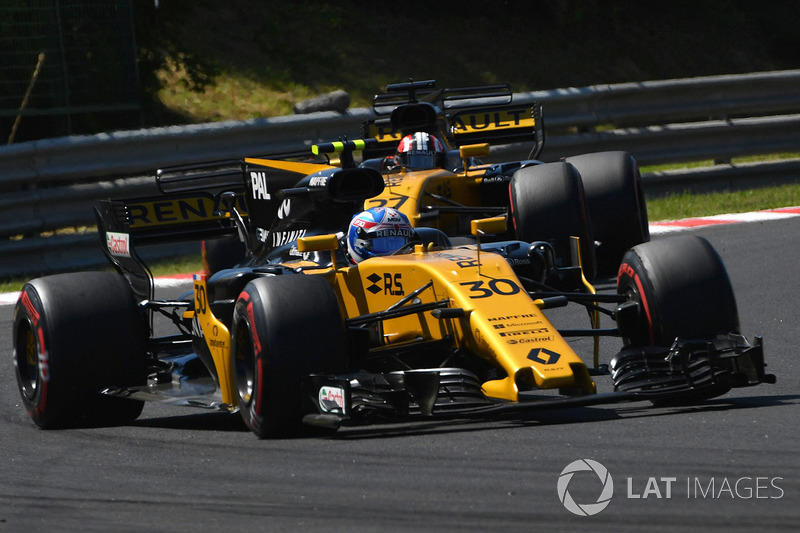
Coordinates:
(572, 415)
(225, 422)
(197, 422)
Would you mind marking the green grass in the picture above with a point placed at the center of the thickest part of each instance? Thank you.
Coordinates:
(177, 265)
(710, 162)
(686, 205)
(676, 206)
(11, 285)
(210, 60)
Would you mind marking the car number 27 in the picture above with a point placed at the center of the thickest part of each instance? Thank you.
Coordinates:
(394, 202)
(500, 286)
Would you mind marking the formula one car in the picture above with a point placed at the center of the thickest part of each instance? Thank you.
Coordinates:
(427, 144)
(299, 333)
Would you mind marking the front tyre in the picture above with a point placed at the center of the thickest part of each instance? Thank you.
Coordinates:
(685, 301)
(682, 289)
(74, 335)
(284, 328)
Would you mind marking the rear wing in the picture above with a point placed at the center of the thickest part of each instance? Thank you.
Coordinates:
(124, 225)
(412, 92)
(191, 206)
(459, 116)
(175, 217)
(198, 201)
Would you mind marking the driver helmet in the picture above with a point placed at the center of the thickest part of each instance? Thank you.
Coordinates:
(378, 231)
(421, 151)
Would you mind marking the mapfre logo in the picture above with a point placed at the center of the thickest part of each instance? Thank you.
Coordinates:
(567, 478)
(285, 209)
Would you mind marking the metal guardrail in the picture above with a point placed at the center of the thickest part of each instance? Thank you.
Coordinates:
(51, 184)
(669, 101)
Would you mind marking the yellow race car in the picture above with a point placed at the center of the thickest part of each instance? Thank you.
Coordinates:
(335, 318)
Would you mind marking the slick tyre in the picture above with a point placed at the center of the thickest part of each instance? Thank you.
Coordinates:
(616, 205)
(75, 335)
(682, 289)
(548, 204)
(284, 328)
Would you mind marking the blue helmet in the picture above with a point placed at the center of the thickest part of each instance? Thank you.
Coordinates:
(378, 231)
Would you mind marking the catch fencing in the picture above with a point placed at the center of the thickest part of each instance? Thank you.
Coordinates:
(47, 187)
(66, 67)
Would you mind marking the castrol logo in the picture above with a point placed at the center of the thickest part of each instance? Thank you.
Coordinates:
(118, 244)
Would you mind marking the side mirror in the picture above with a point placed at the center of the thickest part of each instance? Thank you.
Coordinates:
(485, 226)
(472, 150)
(319, 243)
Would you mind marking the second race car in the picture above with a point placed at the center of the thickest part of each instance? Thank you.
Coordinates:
(427, 143)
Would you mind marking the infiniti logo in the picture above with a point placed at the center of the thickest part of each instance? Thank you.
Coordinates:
(585, 509)
(284, 209)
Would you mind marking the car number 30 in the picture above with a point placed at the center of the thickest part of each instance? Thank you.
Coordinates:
(200, 299)
(500, 286)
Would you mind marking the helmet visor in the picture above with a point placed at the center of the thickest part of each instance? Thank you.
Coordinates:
(420, 160)
(387, 245)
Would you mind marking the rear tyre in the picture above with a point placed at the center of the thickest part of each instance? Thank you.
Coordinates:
(74, 335)
(548, 204)
(616, 205)
(284, 328)
(682, 289)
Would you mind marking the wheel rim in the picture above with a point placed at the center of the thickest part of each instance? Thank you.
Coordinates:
(27, 359)
(244, 364)
(645, 334)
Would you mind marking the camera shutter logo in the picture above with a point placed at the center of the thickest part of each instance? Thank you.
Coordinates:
(586, 509)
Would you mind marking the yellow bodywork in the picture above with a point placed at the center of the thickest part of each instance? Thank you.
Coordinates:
(409, 192)
(501, 323)
(218, 340)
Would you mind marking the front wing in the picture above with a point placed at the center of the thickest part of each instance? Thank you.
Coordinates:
(685, 373)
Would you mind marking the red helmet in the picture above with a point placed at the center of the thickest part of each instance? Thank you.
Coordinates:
(421, 151)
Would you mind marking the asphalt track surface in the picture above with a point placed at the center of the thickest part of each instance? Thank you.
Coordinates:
(732, 464)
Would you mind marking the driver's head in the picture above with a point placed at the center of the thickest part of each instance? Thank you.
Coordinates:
(421, 151)
(377, 231)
